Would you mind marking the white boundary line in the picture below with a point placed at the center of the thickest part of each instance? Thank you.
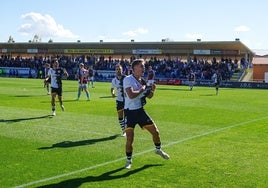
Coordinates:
(140, 153)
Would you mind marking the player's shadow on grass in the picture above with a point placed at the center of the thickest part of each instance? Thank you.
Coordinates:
(106, 97)
(65, 101)
(22, 119)
(68, 144)
(77, 182)
(23, 96)
(207, 95)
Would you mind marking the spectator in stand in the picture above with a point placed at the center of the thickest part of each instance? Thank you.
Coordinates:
(164, 68)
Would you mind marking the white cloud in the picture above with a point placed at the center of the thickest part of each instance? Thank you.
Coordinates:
(44, 26)
(241, 28)
(193, 36)
(127, 36)
(136, 32)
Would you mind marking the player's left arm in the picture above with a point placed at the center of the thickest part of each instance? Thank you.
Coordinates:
(65, 72)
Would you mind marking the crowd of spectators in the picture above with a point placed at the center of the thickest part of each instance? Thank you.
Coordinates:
(174, 68)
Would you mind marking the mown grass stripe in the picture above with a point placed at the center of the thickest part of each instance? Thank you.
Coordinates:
(140, 153)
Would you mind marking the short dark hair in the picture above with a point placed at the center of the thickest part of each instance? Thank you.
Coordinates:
(136, 62)
(55, 60)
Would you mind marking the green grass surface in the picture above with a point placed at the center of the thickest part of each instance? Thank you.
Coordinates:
(213, 141)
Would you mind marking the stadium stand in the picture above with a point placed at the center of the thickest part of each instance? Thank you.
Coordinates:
(170, 60)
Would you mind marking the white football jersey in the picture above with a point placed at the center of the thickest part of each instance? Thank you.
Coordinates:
(118, 84)
(56, 76)
(135, 103)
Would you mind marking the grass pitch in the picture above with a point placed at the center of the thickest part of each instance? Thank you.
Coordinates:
(213, 141)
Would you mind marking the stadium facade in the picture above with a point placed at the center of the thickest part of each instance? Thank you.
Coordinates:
(164, 49)
(125, 50)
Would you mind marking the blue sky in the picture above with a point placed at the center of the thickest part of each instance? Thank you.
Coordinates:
(140, 20)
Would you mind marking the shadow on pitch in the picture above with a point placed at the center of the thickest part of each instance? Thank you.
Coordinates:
(208, 95)
(106, 97)
(68, 144)
(22, 119)
(77, 182)
(23, 96)
(65, 101)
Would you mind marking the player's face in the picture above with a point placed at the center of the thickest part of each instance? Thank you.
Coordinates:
(118, 70)
(55, 64)
(139, 69)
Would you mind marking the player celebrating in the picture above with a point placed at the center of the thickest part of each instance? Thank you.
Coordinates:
(135, 91)
(117, 82)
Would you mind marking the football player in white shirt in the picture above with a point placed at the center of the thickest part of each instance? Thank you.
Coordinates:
(55, 74)
(47, 82)
(117, 84)
(136, 91)
(217, 80)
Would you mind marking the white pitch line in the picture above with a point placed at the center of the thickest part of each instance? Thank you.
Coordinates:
(216, 130)
(68, 174)
(137, 154)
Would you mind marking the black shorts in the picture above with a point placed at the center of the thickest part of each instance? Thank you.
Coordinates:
(138, 116)
(119, 105)
(58, 91)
